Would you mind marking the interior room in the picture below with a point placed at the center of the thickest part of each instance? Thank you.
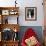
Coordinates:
(19, 16)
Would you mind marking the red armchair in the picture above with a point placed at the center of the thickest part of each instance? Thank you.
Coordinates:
(28, 36)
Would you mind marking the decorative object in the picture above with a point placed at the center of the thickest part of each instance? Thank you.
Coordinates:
(30, 13)
(5, 12)
(6, 21)
(7, 34)
(15, 36)
(13, 12)
(15, 30)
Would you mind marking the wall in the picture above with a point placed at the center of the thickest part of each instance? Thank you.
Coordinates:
(31, 3)
(26, 3)
(37, 25)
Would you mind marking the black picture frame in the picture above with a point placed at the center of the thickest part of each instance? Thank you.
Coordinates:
(30, 13)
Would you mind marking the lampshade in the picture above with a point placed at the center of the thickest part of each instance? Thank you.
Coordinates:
(15, 30)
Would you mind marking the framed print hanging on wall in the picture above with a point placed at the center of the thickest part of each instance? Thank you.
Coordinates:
(31, 13)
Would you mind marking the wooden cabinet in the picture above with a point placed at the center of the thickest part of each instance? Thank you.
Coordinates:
(10, 43)
(6, 12)
(9, 23)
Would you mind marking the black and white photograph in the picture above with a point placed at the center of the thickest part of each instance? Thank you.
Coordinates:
(31, 13)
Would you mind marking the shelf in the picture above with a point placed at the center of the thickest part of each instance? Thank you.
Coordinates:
(11, 41)
(10, 26)
(9, 19)
(9, 10)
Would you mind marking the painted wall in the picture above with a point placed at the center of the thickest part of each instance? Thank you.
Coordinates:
(32, 3)
(26, 3)
(36, 25)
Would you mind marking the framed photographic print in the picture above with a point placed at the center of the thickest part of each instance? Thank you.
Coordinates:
(5, 12)
(31, 13)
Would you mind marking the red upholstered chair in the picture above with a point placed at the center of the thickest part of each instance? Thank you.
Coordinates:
(28, 34)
